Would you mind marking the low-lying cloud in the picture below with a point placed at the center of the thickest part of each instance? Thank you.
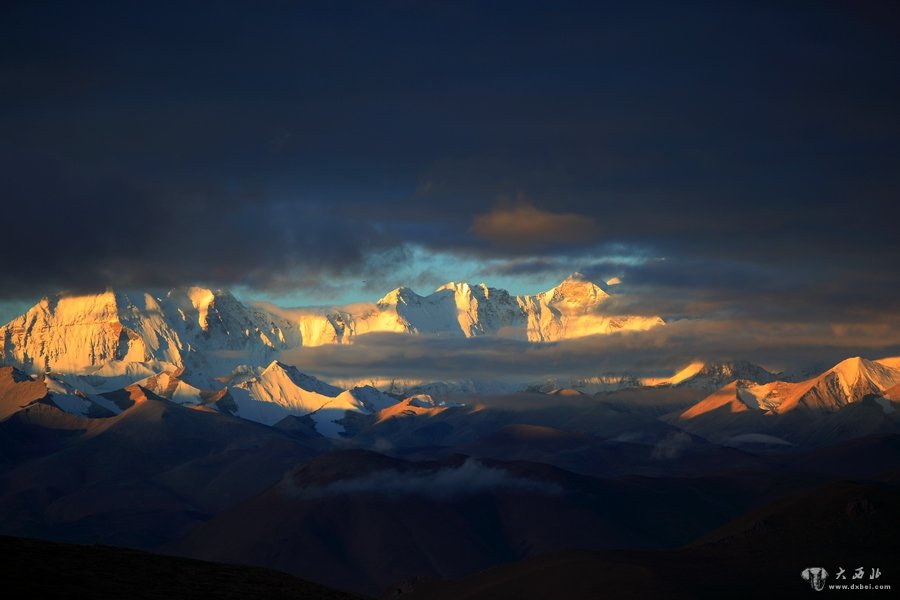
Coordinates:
(671, 447)
(663, 350)
(471, 477)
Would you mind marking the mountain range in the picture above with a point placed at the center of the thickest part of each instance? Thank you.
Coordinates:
(572, 309)
(419, 492)
(205, 349)
(209, 332)
(855, 397)
(170, 423)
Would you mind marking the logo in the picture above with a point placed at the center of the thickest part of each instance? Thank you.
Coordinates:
(816, 577)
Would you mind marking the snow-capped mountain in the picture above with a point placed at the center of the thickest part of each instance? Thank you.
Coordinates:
(133, 334)
(278, 391)
(414, 406)
(273, 393)
(571, 309)
(699, 375)
(454, 309)
(281, 390)
(588, 385)
(19, 390)
(169, 385)
(182, 345)
(846, 383)
(713, 375)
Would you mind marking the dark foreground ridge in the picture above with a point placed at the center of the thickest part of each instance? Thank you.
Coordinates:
(841, 525)
(44, 569)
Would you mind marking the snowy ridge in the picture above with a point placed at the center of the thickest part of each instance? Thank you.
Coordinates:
(414, 406)
(457, 309)
(281, 390)
(700, 375)
(848, 382)
(712, 375)
(278, 391)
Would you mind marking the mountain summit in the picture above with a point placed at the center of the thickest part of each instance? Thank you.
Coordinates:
(576, 291)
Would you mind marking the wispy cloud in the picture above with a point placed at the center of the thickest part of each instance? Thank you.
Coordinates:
(524, 225)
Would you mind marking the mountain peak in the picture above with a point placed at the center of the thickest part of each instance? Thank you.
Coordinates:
(456, 287)
(278, 375)
(856, 368)
(576, 289)
(714, 374)
(201, 298)
(400, 295)
(850, 366)
(848, 381)
(277, 365)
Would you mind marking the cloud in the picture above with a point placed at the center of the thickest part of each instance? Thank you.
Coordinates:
(755, 150)
(720, 287)
(471, 477)
(524, 225)
(671, 447)
(660, 351)
(96, 230)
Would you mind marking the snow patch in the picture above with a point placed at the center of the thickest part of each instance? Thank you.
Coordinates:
(72, 404)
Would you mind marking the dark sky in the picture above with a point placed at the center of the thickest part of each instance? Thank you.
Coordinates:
(724, 158)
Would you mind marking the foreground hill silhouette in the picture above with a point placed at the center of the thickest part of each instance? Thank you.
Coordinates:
(54, 570)
(422, 492)
(366, 521)
(840, 525)
(844, 524)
